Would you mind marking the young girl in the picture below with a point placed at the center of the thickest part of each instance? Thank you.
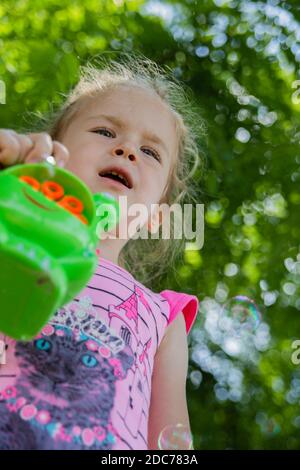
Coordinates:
(109, 370)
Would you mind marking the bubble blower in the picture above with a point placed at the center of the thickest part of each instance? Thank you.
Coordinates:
(48, 242)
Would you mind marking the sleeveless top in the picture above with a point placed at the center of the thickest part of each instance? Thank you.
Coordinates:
(84, 382)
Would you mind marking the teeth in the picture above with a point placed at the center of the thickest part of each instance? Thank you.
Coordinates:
(120, 176)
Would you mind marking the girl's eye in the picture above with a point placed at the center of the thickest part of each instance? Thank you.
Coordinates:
(153, 153)
(108, 133)
(103, 129)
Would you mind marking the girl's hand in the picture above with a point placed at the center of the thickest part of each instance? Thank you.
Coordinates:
(29, 148)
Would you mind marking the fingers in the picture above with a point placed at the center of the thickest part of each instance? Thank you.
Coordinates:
(45, 146)
(30, 148)
(60, 153)
(26, 145)
(13, 147)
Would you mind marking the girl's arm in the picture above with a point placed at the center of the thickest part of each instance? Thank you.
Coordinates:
(168, 404)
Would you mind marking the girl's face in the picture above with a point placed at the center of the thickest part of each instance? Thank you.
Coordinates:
(129, 128)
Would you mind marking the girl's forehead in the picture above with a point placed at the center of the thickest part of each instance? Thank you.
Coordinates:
(137, 107)
(125, 97)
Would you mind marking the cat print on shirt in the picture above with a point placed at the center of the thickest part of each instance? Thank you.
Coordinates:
(85, 381)
(64, 393)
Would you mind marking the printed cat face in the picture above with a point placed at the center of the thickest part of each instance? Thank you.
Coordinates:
(59, 365)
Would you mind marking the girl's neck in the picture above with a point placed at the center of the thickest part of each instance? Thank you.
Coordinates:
(109, 249)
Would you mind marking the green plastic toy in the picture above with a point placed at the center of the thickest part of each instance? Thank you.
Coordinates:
(48, 239)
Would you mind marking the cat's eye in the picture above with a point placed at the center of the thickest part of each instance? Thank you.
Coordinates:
(43, 344)
(89, 361)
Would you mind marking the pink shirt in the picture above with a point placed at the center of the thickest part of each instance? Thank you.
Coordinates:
(84, 382)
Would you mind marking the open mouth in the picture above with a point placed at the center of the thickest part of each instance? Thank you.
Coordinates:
(116, 176)
(36, 203)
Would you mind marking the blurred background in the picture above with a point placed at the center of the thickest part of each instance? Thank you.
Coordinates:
(242, 60)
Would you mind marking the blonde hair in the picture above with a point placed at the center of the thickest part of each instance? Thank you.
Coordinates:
(148, 260)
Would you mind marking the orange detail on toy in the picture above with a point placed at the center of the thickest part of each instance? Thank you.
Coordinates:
(55, 192)
(82, 218)
(52, 190)
(72, 204)
(31, 181)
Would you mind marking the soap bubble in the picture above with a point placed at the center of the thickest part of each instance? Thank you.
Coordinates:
(240, 313)
(268, 425)
(175, 437)
(272, 427)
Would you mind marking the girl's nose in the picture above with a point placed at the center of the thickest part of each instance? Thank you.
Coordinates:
(124, 150)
